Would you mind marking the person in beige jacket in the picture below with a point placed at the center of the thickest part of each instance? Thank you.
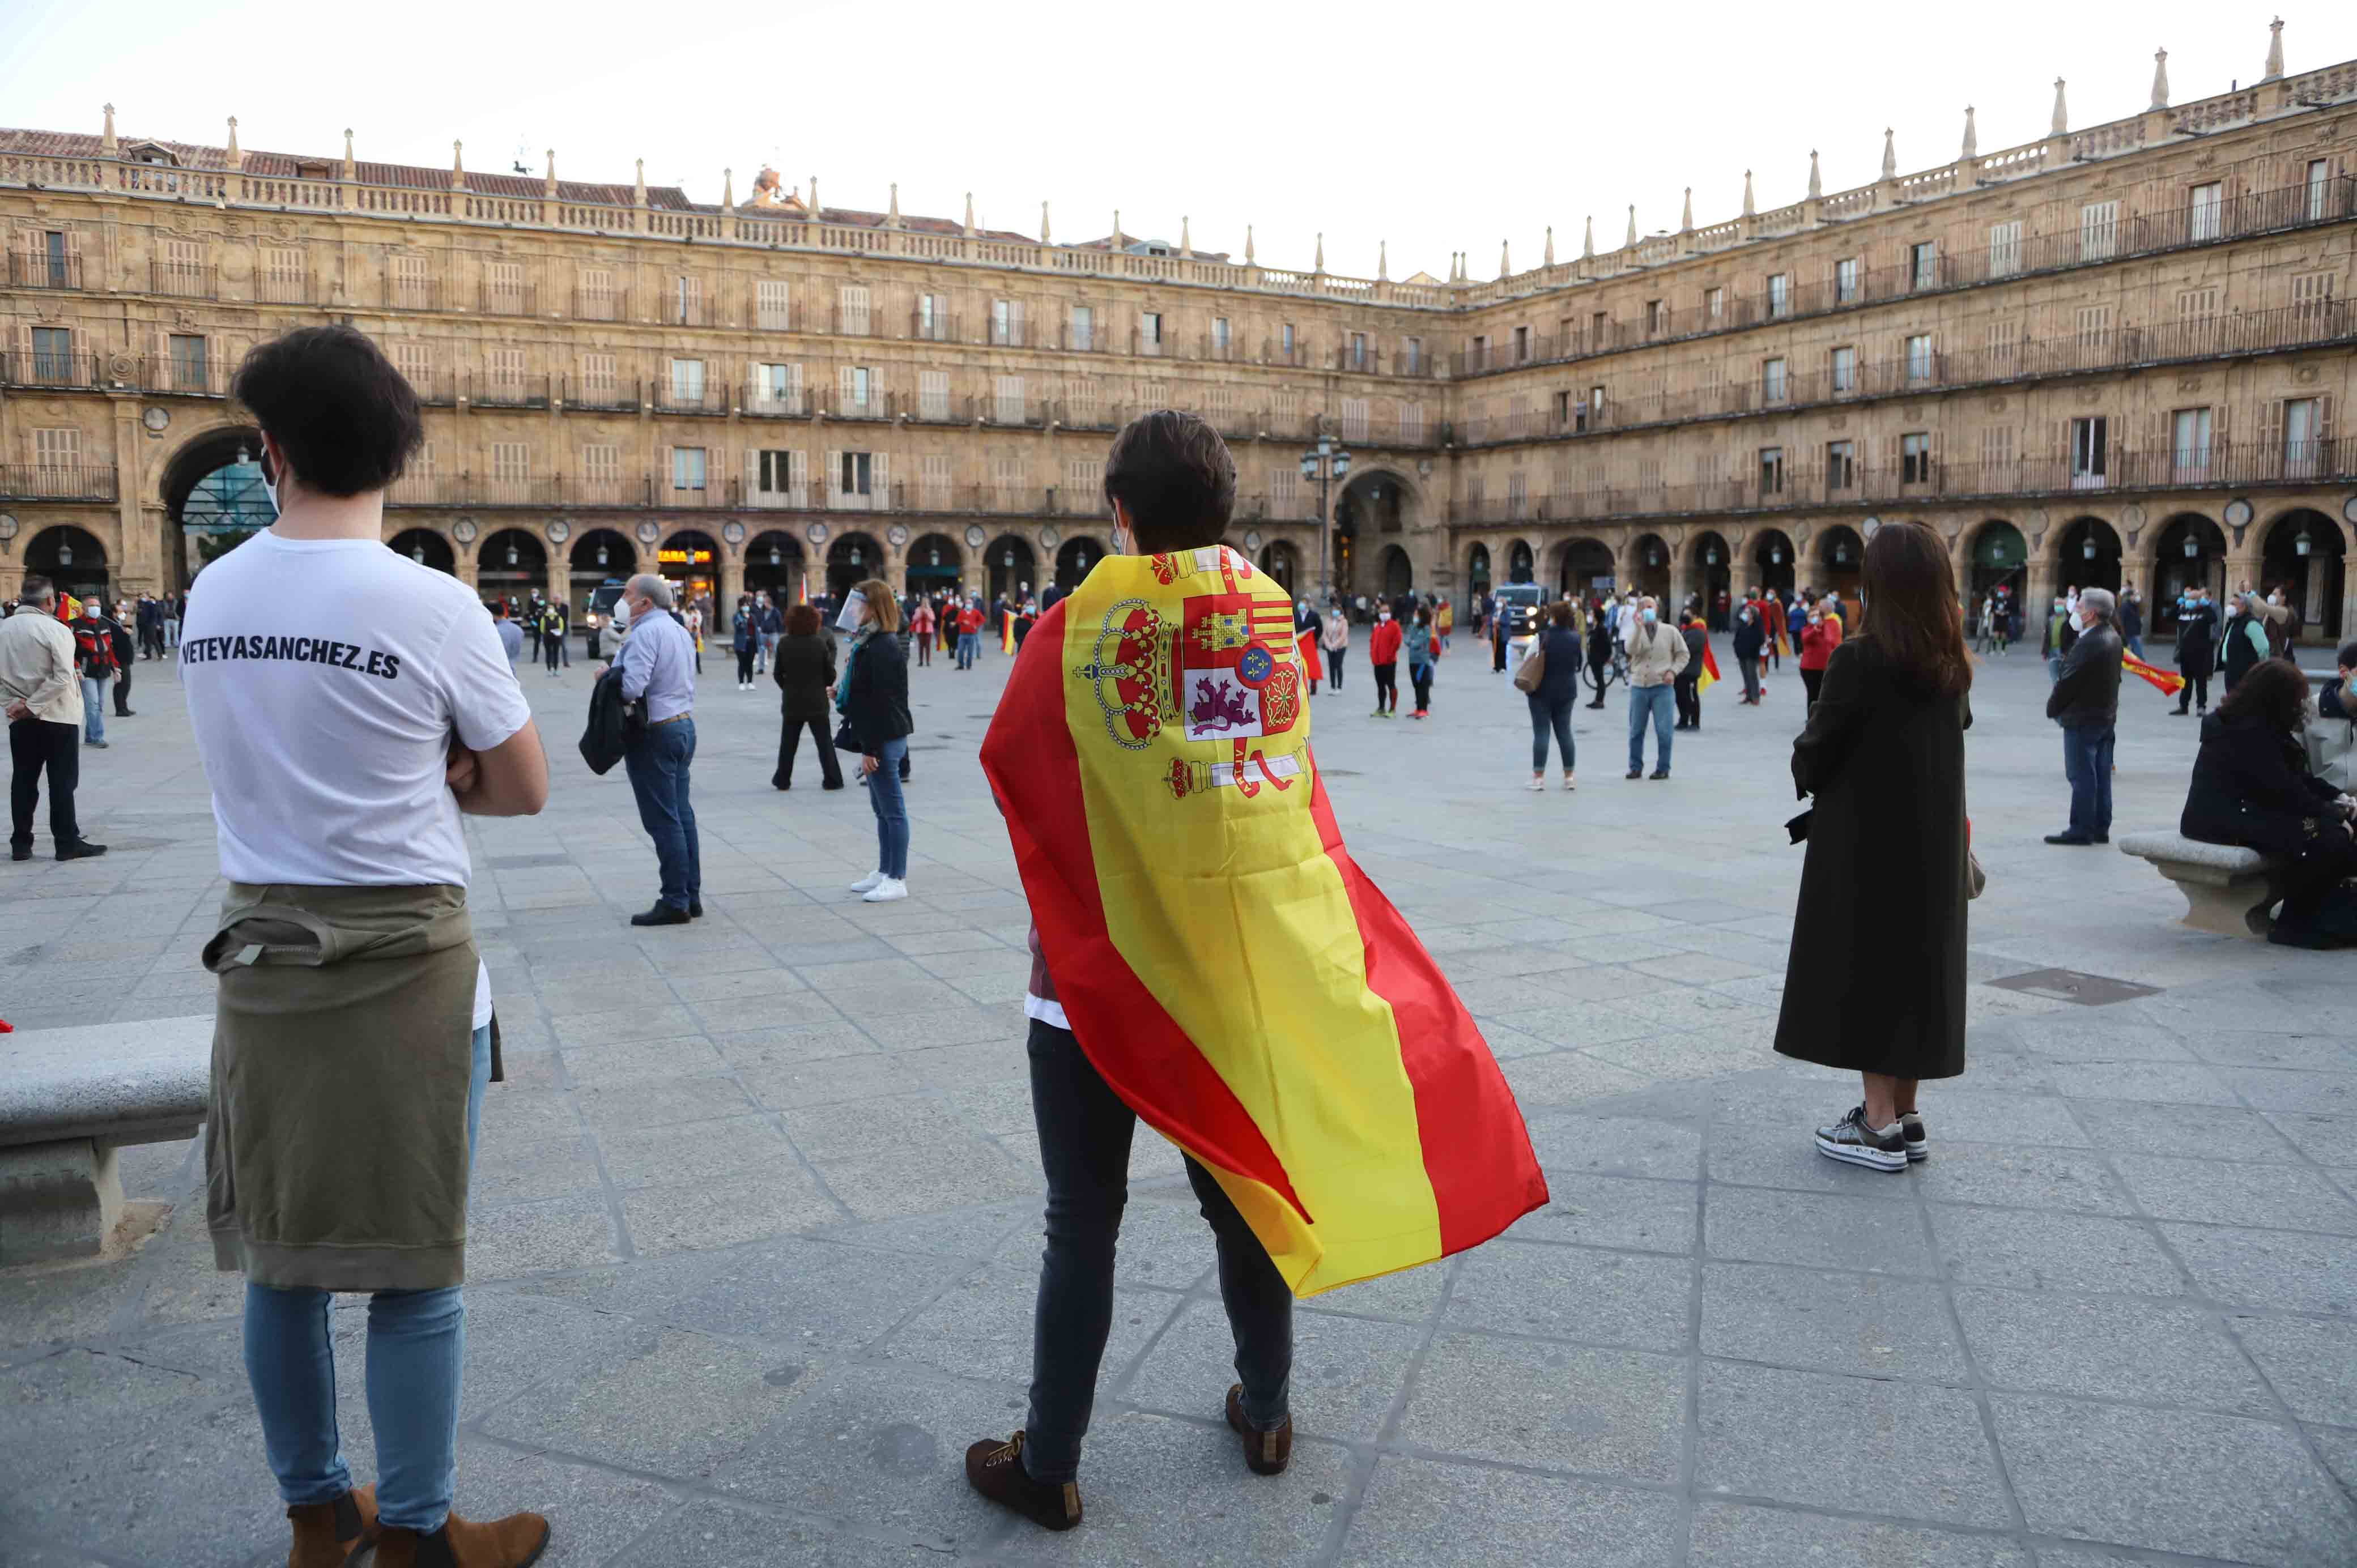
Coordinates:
(41, 695)
(1656, 654)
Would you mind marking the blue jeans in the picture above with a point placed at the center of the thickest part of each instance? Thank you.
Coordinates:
(969, 648)
(1084, 1137)
(658, 764)
(416, 1344)
(93, 708)
(1661, 703)
(891, 809)
(2136, 646)
(1546, 715)
(2087, 763)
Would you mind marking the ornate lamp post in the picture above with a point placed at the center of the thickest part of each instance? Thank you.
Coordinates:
(1328, 464)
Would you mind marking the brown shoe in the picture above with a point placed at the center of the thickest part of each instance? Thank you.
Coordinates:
(515, 1541)
(995, 1470)
(333, 1535)
(1268, 1453)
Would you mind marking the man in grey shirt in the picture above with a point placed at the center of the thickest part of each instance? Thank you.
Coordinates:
(658, 664)
(511, 634)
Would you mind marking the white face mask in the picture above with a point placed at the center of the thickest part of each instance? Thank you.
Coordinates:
(270, 485)
(855, 611)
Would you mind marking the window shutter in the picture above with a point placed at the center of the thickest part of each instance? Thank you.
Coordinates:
(834, 477)
(2324, 418)
(843, 388)
(2271, 431)
(752, 472)
(880, 481)
(2219, 439)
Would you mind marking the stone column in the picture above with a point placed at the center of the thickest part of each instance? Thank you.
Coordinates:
(727, 577)
(134, 568)
(560, 576)
(464, 564)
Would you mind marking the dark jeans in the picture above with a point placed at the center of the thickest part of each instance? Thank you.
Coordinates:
(1750, 664)
(1545, 716)
(1422, 675)
(1812, 679)
(1649, 703)
(123, 692)
(657, 763)
(1334, 666)
(33, 745)
(1689, 701)
(552, 651)
(789, 740)
(2196, 690)
(1085, 1136)
(745, 663)
(1386, 688)
(891, 807)
(2087, 763)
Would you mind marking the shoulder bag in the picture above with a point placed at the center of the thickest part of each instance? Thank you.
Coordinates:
(1532, 668)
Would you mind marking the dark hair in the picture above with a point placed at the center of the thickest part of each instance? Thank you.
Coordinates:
(1912, 614)
(801, 621)
(1173, 475)
(1562, 612)
(345, 418)
(2273, 692)
(2346, 658)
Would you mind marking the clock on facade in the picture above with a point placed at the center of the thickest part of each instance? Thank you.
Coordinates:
(734, 532)
(464, 530)
(898, 535)
(1047, 537)
(816, 533)
(157, 418)
(975, 538)
(2238, 513)
(1252, 541)
(559, 531)
(650, 532)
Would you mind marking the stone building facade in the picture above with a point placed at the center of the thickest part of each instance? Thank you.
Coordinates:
(2115, 355)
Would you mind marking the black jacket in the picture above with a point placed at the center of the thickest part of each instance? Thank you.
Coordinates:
(613, 723)
(2131, 618)
(2252, 787)
(1599, 641)
(877, 705)
(2197, 637)
(2237, 657)
(803, 668)
(2087, 692)
(1750, 637)
(1559, 681)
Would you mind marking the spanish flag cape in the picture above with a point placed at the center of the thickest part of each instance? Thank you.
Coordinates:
(1223, 962)
(2170, 682)
(1707, 676)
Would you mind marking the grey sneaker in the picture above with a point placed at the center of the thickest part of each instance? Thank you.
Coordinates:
(1850, 1139)
(1918, 1146)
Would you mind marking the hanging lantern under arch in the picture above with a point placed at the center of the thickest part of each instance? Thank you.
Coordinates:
(2087, 548)
(2192, 547)
(775, 558)
(512, 557)
(2303, 544)
(601, 553)
(417, 553)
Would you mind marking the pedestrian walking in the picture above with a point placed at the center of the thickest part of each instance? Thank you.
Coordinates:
(174, 605)
(744, 640)
(1335, 642)
(1558, 647)
(2197, 648)
(351, 1037)
(41, 694)
(2086, 703)
(772, 627)
(1600, 651)
(1382, 657)
(1820, 635)
(1421, 665)
(94, 660)
(125, 647)
(658, 664)
(1751, 641)
(874, 701)
(2130, 620)
(969, 633)
(1656, 654)
(803, 668)
(551, 637)
(1875, 982)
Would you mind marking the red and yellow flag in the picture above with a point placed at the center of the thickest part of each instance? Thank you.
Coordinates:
(1709, 676)
(1007, 632)
(2169, 684)
(1223, 962)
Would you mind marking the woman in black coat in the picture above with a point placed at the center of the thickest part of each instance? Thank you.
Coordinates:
(1558, 689)
(804, 672)
(1874, 984)
(875, 704)
(1751, 640)
(1599, 653)
(2252, 787)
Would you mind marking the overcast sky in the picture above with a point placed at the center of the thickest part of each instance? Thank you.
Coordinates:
(1440, 128)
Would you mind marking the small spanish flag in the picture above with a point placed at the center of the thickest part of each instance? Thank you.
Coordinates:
(1709, 676)
(1007, 632)
(2169, 684)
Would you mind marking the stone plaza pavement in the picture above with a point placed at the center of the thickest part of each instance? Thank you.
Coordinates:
(757, 1215)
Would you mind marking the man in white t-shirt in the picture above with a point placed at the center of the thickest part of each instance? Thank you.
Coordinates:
(349, 704)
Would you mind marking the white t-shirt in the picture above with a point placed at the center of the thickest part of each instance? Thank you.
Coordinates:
(325, 678)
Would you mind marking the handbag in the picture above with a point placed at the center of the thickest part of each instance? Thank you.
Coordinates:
(1532, 669)
(2330, 742)
(845, 739)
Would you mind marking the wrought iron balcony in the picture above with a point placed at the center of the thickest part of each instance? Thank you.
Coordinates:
(56, 482)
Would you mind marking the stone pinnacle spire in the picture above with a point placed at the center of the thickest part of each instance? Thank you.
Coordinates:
(892, 216)
(2159, 79)
(2274, 50)
(1186, 236)
(727, 188)
(1549, 260)
(552, 173)
(106, 142)
(1043, 225)
(1587, 246)
(1685, 218)
(1816, 180)
(2062, 122)
(1319, 266)
(1890, 153)
(1747, 208)
(1630, 244)
(969, 214)
(1505, 260)
(1972, 136)
(233, 157)
(1248, 246)
(1382, 261)
(457, 166)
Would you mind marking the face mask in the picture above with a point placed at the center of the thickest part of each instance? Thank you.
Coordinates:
(1648, 615)
(855, 610)
(270, 483)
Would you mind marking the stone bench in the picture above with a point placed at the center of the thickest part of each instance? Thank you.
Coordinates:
(69, 1100)
(2228, 889)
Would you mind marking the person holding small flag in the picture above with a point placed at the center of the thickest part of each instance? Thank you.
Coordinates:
(1700, 671)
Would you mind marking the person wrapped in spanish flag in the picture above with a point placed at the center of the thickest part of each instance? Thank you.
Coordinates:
(1208, 957)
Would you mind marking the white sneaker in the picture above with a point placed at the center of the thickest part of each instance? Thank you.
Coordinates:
(869, 883)
(1538, 784)
(887, 890)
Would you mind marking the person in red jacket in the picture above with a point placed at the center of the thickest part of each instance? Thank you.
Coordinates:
(1818, 641)
(969, 626)
(1383, 652)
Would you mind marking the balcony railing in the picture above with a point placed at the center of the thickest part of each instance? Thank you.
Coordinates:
(793, 497)
(1272, 352)
(601, 304)
(2306, 325)
(56, 482)
(773, 317)
(1011, 412)
(413, 294)
(282, 289)
(185, 279)
(1219, 351)
(44, 369)
(507, 299)
(2217, 466)
(934, 326)
(1090, 339)
(180, 375)
(673, 397)
(1090, 416)
(693, 310)
(44, 271)
(489, 389)
(2259, 212)
(759, 401)
(847, 321)
(606, 395)
(1010, 333)
(833, 404)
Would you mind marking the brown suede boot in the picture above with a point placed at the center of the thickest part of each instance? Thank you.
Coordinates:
(332, 1535)
(1268, 1453)
(515, 1541)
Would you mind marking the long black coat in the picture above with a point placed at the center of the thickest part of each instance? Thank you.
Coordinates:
(1876, 979)
(804, 667)
(2252, 787)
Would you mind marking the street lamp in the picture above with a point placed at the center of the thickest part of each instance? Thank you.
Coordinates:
(2192, 547)
(1328, 465)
